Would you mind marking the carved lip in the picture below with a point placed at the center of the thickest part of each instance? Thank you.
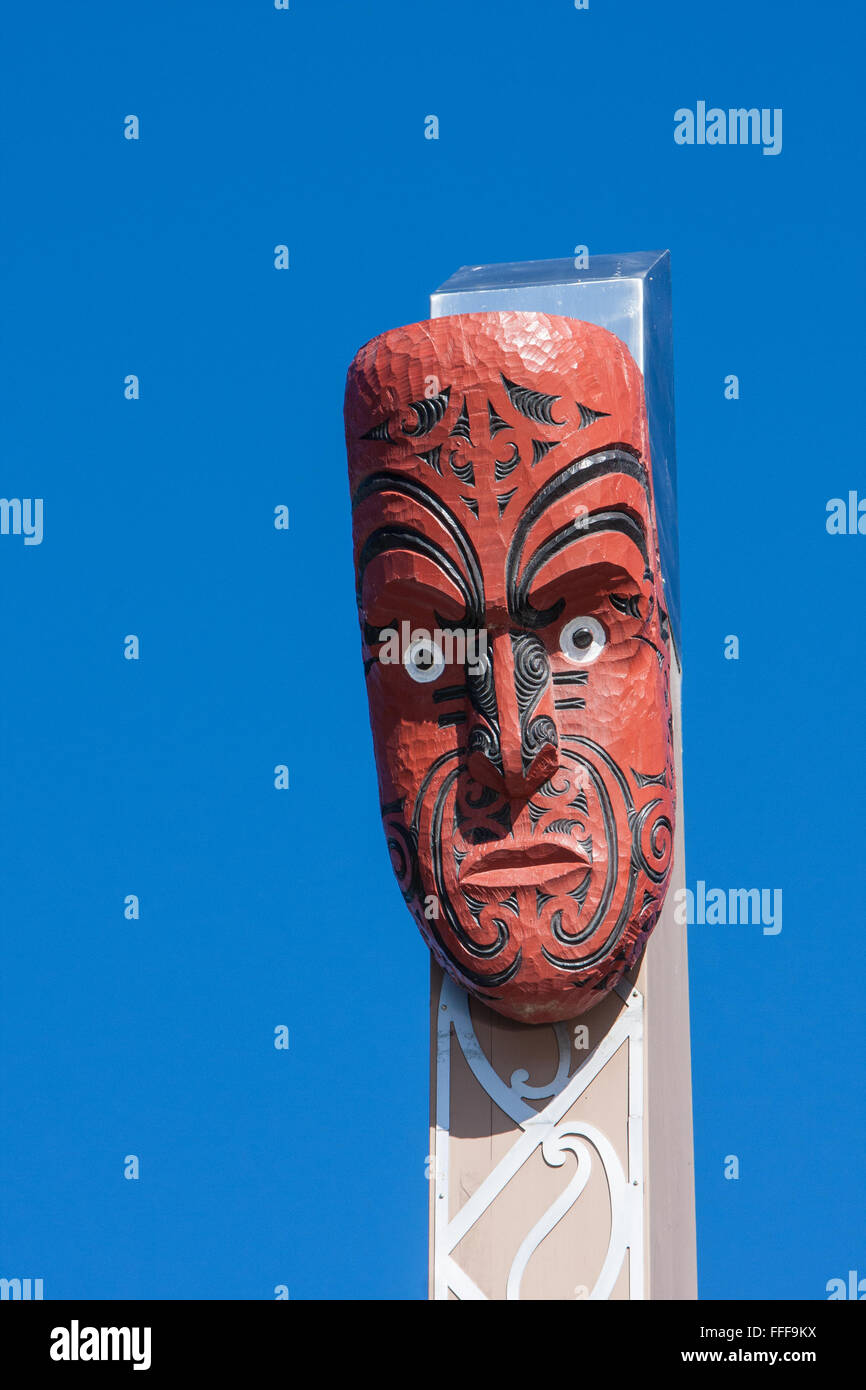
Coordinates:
(521, 867)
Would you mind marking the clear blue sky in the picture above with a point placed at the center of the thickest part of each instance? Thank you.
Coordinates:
(260, 908)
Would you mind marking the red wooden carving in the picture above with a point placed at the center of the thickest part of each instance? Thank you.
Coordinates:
(516, 648)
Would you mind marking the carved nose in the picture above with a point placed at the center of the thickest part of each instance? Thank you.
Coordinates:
(517, 783)
(518, 750)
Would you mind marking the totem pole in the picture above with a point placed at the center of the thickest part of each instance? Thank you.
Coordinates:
(524, 700)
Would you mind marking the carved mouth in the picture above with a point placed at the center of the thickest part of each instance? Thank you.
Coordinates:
(516, 868)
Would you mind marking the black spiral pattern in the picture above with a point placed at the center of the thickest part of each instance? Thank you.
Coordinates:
(558, 931)
(484, 738)
(660, 838)
(480, 949)
(541, 731)
(531, 679)
(403, 841)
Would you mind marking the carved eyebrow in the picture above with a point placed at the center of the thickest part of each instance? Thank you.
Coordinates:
(386, 538)
(391, 594)
(610, 519)
(430, 502)
(469, 583)
(620, 458)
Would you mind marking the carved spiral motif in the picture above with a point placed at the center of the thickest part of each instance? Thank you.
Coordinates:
(531, 668)
(539, 732)
(655, 862)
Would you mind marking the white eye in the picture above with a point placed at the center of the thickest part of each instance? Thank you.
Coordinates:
(581, 640)
(424, 660)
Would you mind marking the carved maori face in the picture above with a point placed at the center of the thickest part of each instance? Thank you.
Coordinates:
(516, 649)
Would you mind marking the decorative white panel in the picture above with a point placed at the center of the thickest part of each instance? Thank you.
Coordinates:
(561, 1138)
